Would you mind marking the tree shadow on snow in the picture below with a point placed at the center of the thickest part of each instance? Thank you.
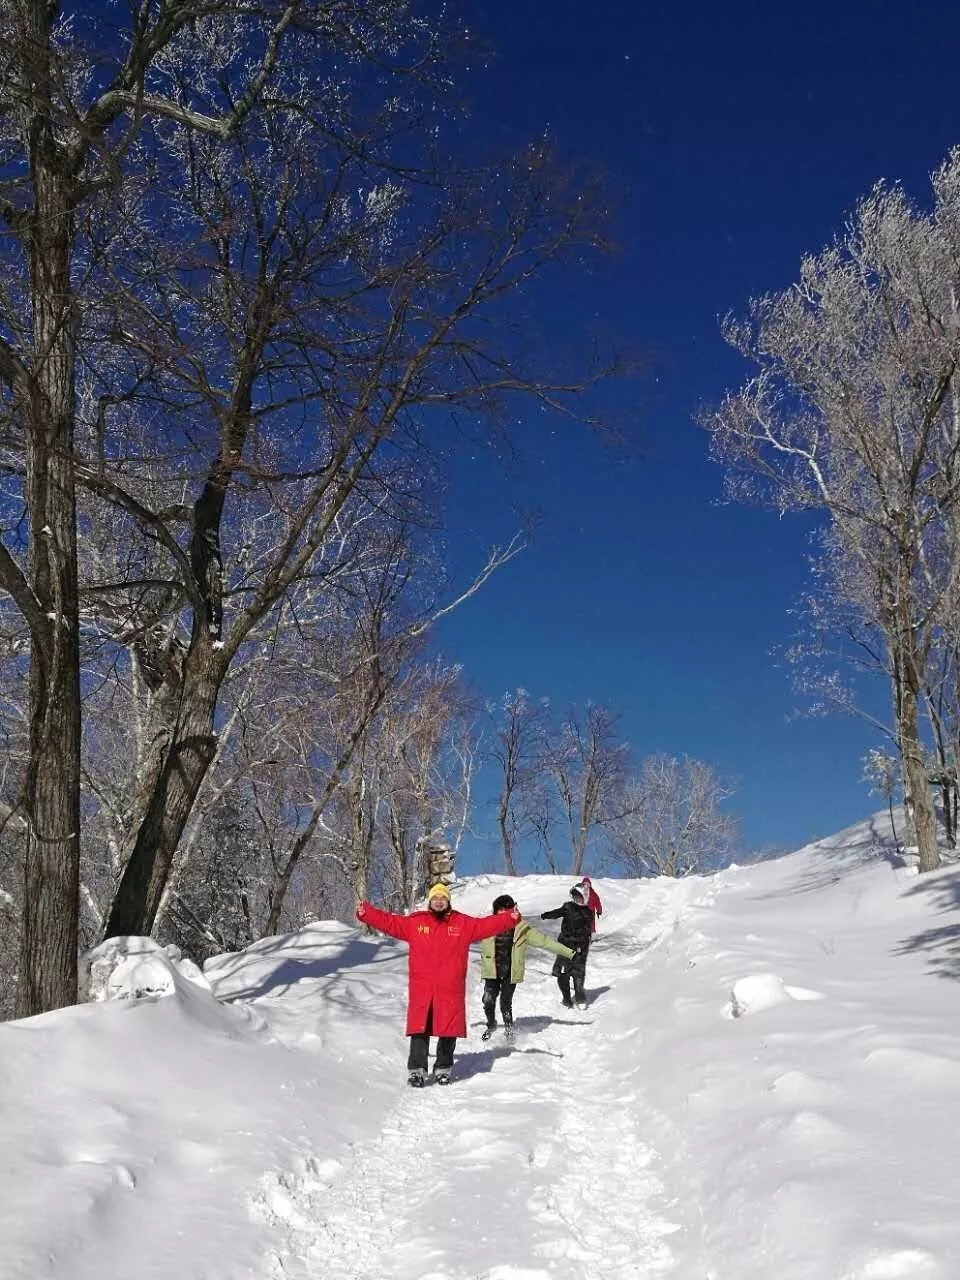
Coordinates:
(941, 945)
(836, 857)
(359, 951)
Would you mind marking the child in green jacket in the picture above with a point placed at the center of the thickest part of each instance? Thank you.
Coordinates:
(502, 960)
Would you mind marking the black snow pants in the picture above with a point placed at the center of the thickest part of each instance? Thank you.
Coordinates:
(575, 969)
(420, 1049)
(493, 987)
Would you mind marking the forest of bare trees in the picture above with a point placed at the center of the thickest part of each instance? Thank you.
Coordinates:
(569, 792)
(244, 281)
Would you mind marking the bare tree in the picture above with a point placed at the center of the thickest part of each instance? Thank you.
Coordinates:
(427, 758)
(517, 731)
(333, 380)
(587, 764)
(880, 771)
(377, 666)
(78, 121)
(673, 824)
(384, 641)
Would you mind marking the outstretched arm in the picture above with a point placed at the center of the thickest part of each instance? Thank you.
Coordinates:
(555, 914)
(487, 926)
(385, 921)
(538, 939)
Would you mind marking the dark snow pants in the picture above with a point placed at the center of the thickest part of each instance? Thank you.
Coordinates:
(493, 987)
(576, 969)
(420, 1049)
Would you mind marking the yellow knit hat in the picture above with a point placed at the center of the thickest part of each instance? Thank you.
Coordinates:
(439, 890)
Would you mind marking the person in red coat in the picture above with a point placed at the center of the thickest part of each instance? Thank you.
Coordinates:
(593, 901)
(439, 940)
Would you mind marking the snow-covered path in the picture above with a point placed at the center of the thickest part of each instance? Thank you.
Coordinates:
(536, 1163)
(520, 1163)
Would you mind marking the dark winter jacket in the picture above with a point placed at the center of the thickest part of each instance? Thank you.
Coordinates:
(576, 924)
(502, 954)
(439, 951)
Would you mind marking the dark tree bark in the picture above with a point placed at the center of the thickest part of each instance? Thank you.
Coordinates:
(58, 153)
(189, 753)
(44, 400)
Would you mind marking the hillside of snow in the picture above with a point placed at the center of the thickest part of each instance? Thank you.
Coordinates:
(765, 1086)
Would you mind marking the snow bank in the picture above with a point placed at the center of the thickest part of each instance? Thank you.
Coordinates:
(808, 1135)
(762, 991)
(133, 968)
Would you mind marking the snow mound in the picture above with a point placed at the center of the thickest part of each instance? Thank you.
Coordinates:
(135, 968)
(763, 991)
(897, 1265)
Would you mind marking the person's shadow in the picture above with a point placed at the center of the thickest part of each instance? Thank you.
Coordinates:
(483, 1060)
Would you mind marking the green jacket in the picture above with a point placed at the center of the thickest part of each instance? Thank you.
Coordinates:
(523, 935)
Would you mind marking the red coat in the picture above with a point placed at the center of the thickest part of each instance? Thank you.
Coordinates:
(437, 970)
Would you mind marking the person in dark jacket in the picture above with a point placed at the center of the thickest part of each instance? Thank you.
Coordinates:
(502, 965)
(576, 928)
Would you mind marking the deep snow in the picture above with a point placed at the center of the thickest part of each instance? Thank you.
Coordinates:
(765, 1086)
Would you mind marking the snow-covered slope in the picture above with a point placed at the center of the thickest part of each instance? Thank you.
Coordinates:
(765, 1086)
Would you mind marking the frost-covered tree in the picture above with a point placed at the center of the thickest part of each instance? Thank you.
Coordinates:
(881, 772)
(853, 411)
(673, 823)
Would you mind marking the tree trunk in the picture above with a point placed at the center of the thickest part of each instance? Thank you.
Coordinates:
(333, 782)
(946, 799)
(908, 719)
(278, 894)
(190, 753)
(509, 868)
(361, 844)
(361, 880)
(924, 818)
(579, 851)
(48, 951)
(893, 824)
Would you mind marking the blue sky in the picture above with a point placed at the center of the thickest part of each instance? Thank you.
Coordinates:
(734, 139)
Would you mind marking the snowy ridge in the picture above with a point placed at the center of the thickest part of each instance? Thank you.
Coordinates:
(764, 1087)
